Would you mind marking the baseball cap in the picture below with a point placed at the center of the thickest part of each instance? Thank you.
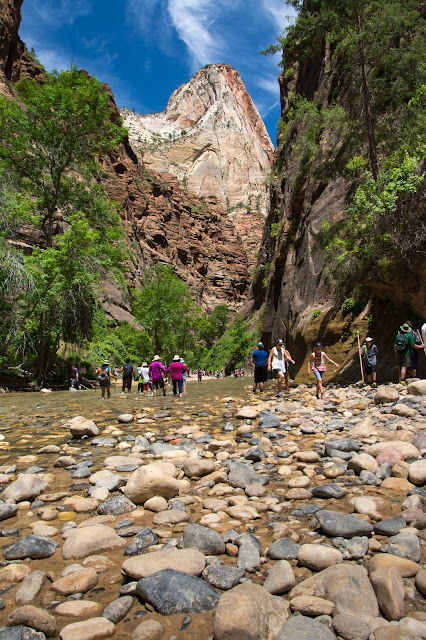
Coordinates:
(279, 341)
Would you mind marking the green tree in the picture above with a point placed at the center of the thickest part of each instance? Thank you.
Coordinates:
(50, 138)
(231, 349)
(166, 311)
(51, 131)
(214, 325)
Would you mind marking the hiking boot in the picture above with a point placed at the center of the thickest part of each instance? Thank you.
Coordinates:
(374, 385)
(260, 391)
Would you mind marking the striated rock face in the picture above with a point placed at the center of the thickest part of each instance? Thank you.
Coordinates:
(213, 140)
(15, 61)
(291, 280)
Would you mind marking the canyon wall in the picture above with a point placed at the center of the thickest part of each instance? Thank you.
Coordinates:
(213, 140)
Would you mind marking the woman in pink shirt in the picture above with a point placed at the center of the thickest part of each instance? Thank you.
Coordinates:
(176, 368)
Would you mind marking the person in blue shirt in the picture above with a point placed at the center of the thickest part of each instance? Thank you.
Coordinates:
(259, 361)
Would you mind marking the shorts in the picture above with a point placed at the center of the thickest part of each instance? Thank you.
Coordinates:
(404, 360)
(157, 384)
(369, 368)
(317, 374)
(260, 373)
(127, 383)
(413, 357)
(277, 371)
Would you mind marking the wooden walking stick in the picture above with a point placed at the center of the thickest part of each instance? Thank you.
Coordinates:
(360, 357)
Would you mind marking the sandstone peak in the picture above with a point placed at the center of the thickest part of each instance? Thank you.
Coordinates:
(212, 138)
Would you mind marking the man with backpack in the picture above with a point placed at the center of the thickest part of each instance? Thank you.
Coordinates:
(104, 377)
(128, 371)
(404, 343)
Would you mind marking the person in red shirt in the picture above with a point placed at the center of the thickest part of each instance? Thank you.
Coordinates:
(176, 369)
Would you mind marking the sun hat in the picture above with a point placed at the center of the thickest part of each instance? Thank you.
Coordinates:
(176, 358)
(279, 341)
(105, 362)
(156, 358)
(318, 344)
(369, 340)
(144, 364)
(405, 328)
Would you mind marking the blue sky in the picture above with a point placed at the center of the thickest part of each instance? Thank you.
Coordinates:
(145, 49)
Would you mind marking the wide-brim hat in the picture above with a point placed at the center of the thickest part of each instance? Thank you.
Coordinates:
(105, 362)
(176, 358)
(144, 364)
(156, 358)
(405, 328)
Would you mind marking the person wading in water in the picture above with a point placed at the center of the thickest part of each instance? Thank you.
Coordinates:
(277, 363)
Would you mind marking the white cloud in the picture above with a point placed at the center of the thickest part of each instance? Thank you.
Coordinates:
(270, 85)
(279, 12)
(58, 12)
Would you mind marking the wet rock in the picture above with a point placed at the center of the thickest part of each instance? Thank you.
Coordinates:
(280, 578)
(76, 582)
(330, 490)
(93, 629)
(342, 444)
(116, 506)
(30, 616)
(77, 608)
(385, 394)
(248, 611)
(8, 511)
(407, 568)
(80, 427)
(86, 541)
(188, 561)
(408, 450)
(198, 467)
(143, 539)
(125, 418)
(20, 633)
(352, 549)
(26, 487)
(363, 462)
(171, 516)
(389, 527)
(247, 413)
(403, 410)
(204, 539)
(248, 552)
(171, 592)
(222, 576)
(342, 524)
(107, 479)
(14, 573)
(104, 441)
(303, 628)
(30, 587)
(396, 484)
(152, 480)
(389, 588)
(405, 545)
(318, 556)
(312, 606)
(417, 388)
(363, 429)
(283, 549)
(346, 585)
(389, 455)
(148, 630)
(118, 609)
(241, 475)
(350, 627)
(416, 472)
(255, 490)
(156, 504)
(31, 546)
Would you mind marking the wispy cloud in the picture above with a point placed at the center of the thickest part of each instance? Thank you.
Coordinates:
(59, 12)
(279, 12)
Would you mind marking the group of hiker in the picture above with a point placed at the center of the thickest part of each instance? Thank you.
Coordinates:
(148, 378)
(408, 342)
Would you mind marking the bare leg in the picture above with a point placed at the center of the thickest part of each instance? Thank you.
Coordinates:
(287, 385)
(280, 378)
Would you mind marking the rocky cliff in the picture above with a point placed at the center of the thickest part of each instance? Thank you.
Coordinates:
(213, 140)
(291, 283)
(163, 221)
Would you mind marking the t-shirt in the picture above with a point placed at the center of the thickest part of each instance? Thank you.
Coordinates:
(424, 333)
(370, 355)
(77, 374)
(260, 358)
(176, 369)
(409, 341)
(155, 369)
(143, 373)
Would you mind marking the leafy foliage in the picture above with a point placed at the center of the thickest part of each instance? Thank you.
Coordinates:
(231, 349)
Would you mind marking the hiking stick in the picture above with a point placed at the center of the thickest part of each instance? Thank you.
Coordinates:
(360, 357)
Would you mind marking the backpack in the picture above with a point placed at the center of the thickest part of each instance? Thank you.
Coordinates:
(401, 343)
(416, 337)
(104, 379)
(127, 370)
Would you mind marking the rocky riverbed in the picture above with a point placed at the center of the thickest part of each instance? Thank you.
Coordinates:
(226, 515)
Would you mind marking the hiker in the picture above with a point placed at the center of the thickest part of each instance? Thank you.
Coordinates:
(175, 369)
(184, 374)
(316, 365)
(199, 375)
(104, 376)
(404, 343)
(259, 360)
(127, 369)
(156, 370)
(143, 378)
(76, 379)
(277, 363)
(418, 344)
(369, 353)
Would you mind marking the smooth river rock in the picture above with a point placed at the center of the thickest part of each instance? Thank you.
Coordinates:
(334, 523)
(189, 561)
(89, 540)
